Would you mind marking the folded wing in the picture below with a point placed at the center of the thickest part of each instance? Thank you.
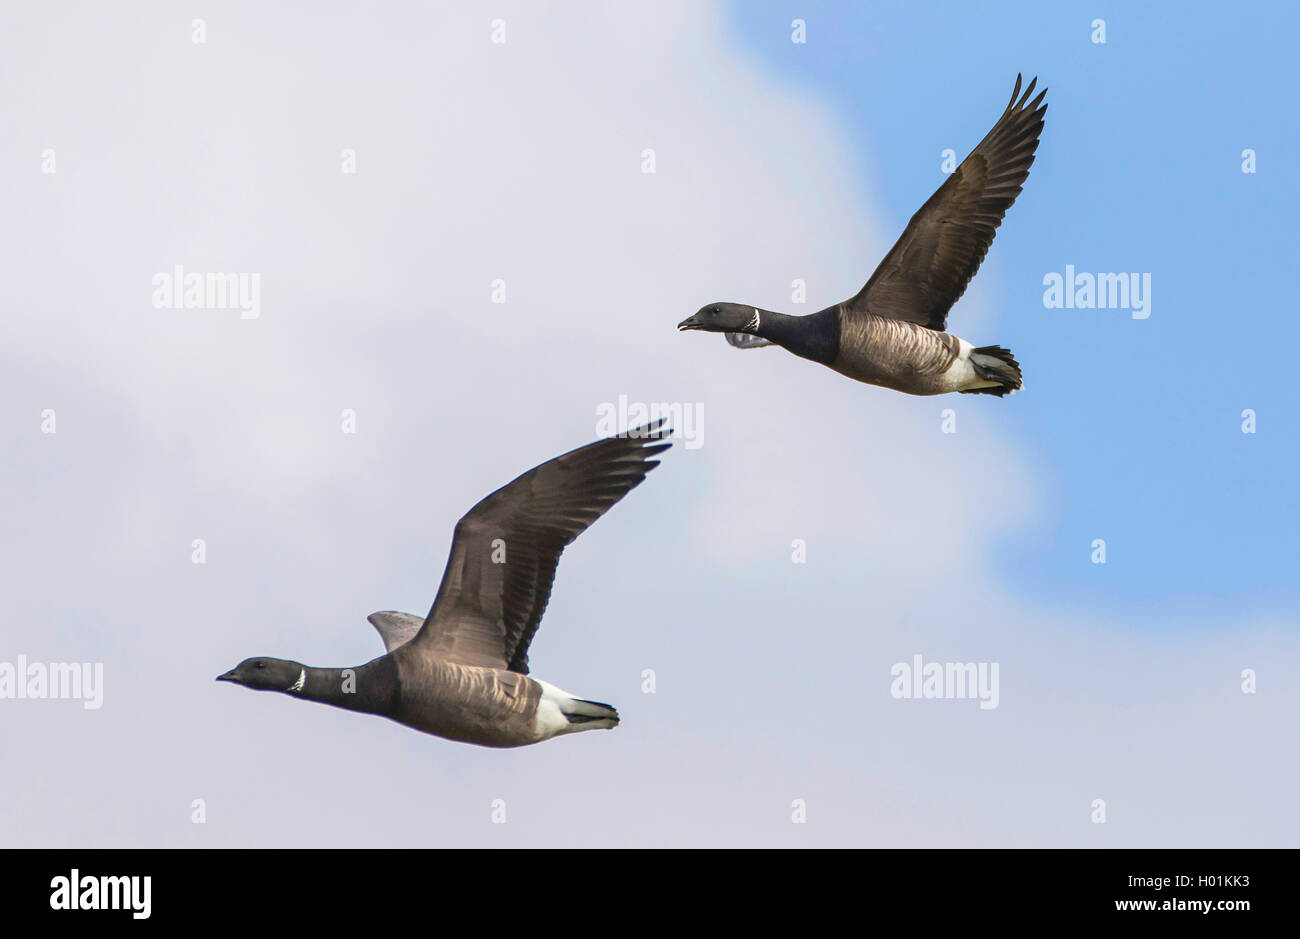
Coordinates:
(747, 341)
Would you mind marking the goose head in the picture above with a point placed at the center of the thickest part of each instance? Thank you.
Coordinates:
(266, 674)
(723, 318)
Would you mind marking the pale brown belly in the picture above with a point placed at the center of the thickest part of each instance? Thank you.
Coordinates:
(897, 378)
(897, 355)
(488, 707)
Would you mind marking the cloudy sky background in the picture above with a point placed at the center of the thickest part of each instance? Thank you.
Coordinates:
(522, 161)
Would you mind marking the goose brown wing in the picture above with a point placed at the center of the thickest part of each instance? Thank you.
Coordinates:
(943, 245)
(503, 557)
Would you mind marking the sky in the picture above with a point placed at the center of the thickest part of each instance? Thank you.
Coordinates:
(746, 609)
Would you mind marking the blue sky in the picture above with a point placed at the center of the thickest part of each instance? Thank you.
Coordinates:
(1135, 423)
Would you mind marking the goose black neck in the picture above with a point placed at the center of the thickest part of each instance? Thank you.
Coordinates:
(815, 336)
(371, 688)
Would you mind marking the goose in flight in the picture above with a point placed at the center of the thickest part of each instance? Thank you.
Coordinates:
(462, 671)
(893, 332)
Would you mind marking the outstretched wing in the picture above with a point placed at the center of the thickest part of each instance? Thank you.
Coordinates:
(503, 557)
(946, 240)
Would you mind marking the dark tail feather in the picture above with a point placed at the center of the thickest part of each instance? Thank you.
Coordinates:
(994, 363)
(580, 711)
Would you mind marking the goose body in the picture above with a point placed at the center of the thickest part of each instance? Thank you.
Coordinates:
(901, 355)
(493, 707)
(894, 332)
(462, 671)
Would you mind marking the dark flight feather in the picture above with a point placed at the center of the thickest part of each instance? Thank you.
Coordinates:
(486, 613)
(943, 245)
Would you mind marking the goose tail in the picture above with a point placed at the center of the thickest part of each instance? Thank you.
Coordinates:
(995, 364)
(559, 712)
(581, 711)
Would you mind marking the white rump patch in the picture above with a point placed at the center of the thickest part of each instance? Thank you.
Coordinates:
(550, 715)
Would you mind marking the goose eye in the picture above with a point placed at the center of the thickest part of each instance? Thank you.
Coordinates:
(260, 665)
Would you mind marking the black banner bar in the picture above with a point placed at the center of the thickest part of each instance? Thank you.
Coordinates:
(301, 887)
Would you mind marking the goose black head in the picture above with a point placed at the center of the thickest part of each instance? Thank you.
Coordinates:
(266, 674)
(723, 318)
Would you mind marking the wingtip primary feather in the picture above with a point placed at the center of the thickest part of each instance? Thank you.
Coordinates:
(653, 430)
(1015, 92)
(1029, 91)
(1019, 100)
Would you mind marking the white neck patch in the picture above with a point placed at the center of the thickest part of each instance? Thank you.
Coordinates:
(752, 325)
(302, 680)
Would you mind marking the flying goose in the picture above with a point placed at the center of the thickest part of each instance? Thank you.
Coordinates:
(892, 333)
(462, 671)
